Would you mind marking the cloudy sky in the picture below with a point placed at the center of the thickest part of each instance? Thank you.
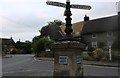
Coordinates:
(22, 19)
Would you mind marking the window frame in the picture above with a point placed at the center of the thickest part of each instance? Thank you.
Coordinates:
(95, 44)
(109, 43)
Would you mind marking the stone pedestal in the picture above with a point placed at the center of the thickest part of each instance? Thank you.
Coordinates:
(68, 59)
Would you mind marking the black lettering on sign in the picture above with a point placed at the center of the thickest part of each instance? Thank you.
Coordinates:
(63, 59)
(81, 7)
(56, 4)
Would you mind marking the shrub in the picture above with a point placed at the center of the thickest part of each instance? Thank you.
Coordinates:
(86, 56)
(40, 44)
(98, 53)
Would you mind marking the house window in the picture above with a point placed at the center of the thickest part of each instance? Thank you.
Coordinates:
(109, 34)
(94, 44)
(109, 43)
(93, 35)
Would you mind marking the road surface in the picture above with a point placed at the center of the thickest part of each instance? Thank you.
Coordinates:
(26, 65)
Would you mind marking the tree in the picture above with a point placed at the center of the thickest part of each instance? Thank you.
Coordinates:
(24, 47)
(20, 45)
(44, 31)
(40, 44)
(55, 22)
(28, 47)
(51, 29)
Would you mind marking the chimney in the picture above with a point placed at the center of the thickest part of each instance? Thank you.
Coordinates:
(11, 38)
(86, 18)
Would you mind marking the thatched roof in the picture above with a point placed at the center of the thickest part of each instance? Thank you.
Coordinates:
(77, 27)
(101, 25)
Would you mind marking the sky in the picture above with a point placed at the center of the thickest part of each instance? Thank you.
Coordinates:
(22, 19)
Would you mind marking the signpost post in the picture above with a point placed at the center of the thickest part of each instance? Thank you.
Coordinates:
(67, 60)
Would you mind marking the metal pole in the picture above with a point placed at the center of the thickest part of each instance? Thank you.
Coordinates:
(68, 29)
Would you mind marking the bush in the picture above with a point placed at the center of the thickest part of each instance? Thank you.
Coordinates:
(98, 53)
(40, 44)
(86, 56)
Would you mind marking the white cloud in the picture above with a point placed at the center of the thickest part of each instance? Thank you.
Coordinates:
(23, 36)
(16, 30)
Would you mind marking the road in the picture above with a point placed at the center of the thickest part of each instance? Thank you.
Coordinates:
(26, 65)
(91, 70)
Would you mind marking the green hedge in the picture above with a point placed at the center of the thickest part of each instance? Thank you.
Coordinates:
(86, 56)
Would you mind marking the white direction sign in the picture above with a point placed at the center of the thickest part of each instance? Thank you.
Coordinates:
(56, 4)
(87, 7)
(63, 59)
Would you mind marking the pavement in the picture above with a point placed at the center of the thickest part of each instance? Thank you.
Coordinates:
(7, 56)
(85, 62)
(43, 59)
(102, 63)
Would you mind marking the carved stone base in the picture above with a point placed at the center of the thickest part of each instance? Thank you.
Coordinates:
(68, 58)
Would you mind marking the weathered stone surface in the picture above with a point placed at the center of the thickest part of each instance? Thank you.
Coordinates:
(71, 49)
(68, 45)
